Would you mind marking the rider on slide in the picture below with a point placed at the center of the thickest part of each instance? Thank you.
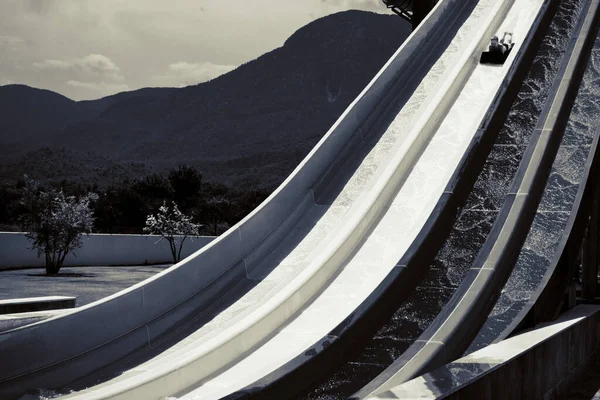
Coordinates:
(503, 46)
(498, 50)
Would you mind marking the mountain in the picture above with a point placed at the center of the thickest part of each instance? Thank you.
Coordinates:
(250, 126)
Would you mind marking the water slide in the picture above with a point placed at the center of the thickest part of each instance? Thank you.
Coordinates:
(232, 294)
(417, 308)
(551, 249)
(309, 256)
(455, 326)
(441, 145)
(542, 267)
(405, 337)
(483, 20)
(440, 318)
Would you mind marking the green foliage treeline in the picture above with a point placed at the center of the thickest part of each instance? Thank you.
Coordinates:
(123, 207)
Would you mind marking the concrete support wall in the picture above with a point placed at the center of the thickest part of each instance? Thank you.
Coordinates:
(13, 321)
(98, 249)
(540, 364)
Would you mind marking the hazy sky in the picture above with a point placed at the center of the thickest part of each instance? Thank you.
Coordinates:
(87, 49)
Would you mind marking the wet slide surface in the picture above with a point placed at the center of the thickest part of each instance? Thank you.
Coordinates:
(471, 228)
(543, 244)
(386, 243)
(456, 326)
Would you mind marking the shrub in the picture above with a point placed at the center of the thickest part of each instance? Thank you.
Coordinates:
(172, 225)
(55, 222)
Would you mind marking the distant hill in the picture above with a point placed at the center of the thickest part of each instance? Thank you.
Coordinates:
(250, 126)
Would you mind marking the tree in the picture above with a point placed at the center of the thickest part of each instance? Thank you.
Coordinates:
(122, 207)
(217, 207)
(55, 222)
(186, 182)
(173, 226)
(153, 189)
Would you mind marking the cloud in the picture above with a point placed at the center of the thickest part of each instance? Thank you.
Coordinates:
(96, 65)
(101, 87)
(11, 41)
(100, 65)
(184, 73)
(52, 64)
(40, 7)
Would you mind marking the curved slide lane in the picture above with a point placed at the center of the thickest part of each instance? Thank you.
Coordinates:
(391, 237)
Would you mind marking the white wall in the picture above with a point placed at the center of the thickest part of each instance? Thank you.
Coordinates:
(98, 249)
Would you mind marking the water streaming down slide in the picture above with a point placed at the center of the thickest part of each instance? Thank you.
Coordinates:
(554, 219)
(455, 327)
(472, 226)
(539, 277)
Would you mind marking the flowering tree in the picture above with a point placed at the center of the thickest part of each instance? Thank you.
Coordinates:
(55, 222)
(172, 225)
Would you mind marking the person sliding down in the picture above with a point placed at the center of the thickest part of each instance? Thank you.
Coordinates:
(498, 50)
(502, 46)
(496, 46)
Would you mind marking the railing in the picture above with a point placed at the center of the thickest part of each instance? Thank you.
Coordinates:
(411, 11)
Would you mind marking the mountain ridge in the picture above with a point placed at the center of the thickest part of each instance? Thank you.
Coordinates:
(250, 126)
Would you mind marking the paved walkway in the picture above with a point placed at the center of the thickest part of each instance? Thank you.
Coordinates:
(96, 282)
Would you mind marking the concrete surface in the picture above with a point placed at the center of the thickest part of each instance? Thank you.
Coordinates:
(543, 363)
(30, 304)
(99, 249)
(12, 321)
(94, 283)
(588, 387)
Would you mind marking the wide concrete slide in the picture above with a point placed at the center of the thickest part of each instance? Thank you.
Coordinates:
(288, 226)
(542, 363)
(392, 235)
(430, 149)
